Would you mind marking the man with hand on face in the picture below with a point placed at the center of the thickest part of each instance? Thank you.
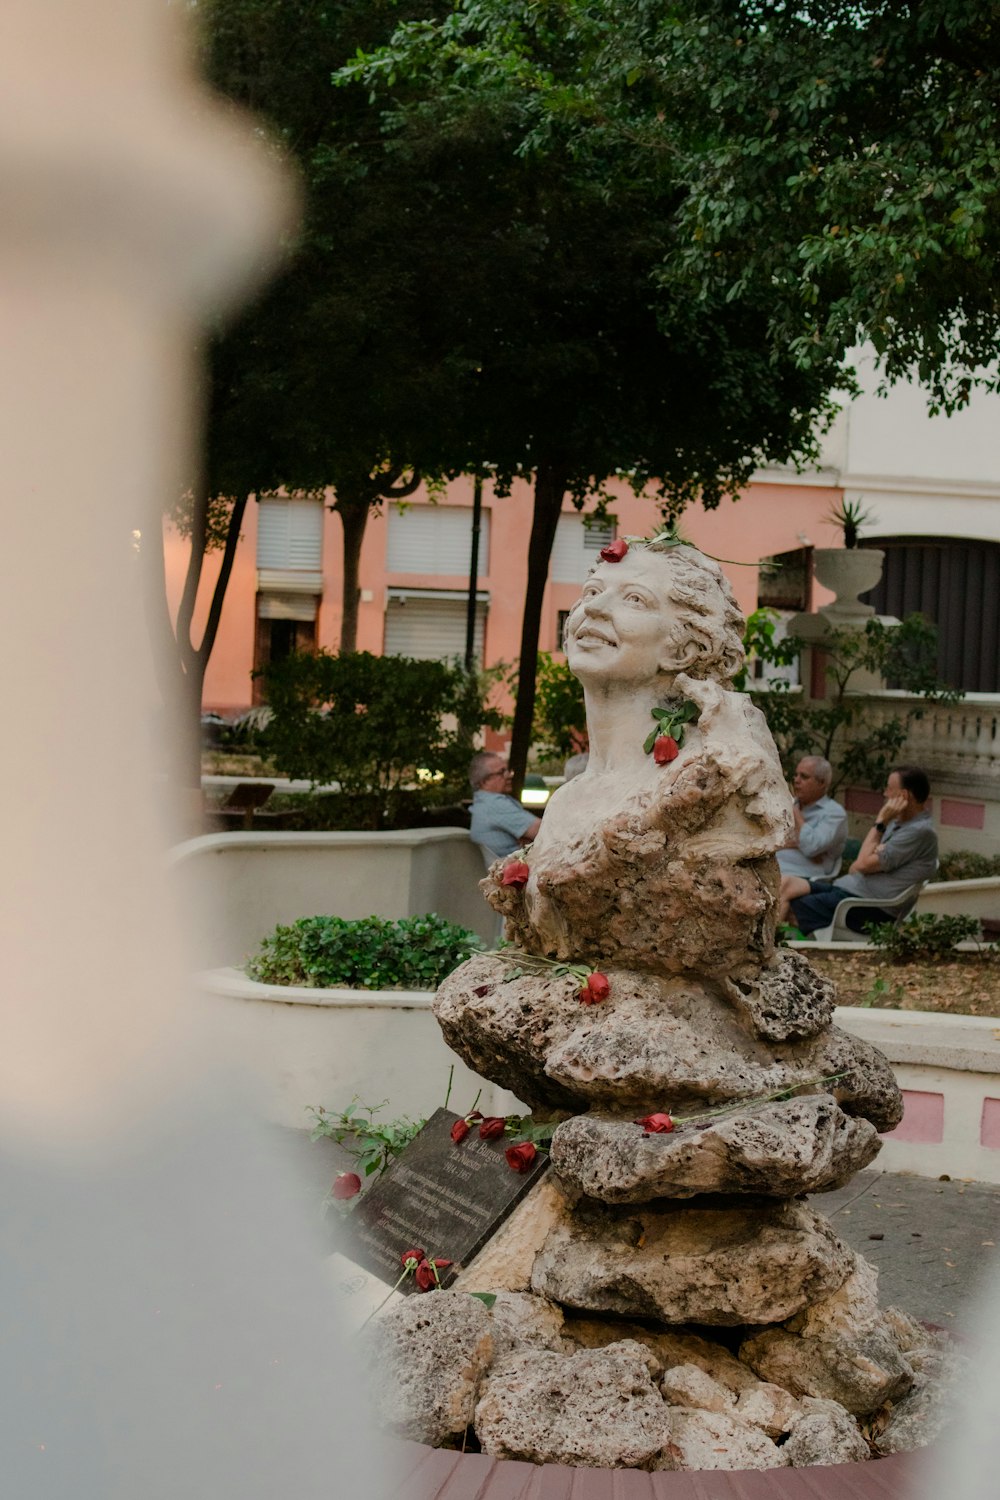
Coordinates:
(817, 843)
(901, 850)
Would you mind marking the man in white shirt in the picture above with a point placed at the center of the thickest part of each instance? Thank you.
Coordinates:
(816, 846)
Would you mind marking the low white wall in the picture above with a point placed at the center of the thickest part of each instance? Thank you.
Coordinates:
(956, 898)
(309, 1047)
(234, 888)
(949, 1070)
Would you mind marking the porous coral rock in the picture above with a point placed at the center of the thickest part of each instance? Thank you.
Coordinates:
(689, 1385)
(789, 1000)
(780, 1149)
(671, 1346)
(826, 1434)
(518, 1318)
(769, 1406)
(860, 1373)
(680, 1264)
(595, 1409)
(426, 1357)
(716, 1440)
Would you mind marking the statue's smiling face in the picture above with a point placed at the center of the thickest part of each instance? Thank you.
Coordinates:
(619, 624)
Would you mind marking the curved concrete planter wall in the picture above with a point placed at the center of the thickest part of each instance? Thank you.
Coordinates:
(305, 1047)
(234, 888)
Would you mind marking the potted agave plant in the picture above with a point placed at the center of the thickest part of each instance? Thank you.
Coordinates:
(849, 570)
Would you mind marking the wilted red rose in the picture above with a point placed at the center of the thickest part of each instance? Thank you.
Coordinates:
(345, 1185)
(614, 551)
(493, 1128)
(459, 1131)
(441, 1264)
(521, 1156)
(656, 1124)
(596, 989)
(665, 749)
(417, 1255)
(474, 1114)
(424, 1276)
(515, 873)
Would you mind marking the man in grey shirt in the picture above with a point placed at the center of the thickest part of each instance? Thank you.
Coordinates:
(901, 850)
(817, 842)
(499, 823)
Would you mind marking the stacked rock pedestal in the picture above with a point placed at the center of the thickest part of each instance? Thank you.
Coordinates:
(680, 1304)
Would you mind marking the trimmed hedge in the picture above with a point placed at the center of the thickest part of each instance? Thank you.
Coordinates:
(413, 953)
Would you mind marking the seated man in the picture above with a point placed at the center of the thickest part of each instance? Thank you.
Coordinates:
(499, 823)
(817, 842)
(901, 850)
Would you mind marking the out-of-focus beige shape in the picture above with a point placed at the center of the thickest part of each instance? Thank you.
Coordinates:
(130, 205)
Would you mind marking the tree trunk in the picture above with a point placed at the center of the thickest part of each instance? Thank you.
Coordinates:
(354, 519)
(550, 487)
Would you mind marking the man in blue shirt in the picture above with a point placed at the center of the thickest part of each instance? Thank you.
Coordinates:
(817, 842)
(901, 850)
(499, 823)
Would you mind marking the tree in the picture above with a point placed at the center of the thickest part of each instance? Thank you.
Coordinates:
(582, 370)
(842, 154)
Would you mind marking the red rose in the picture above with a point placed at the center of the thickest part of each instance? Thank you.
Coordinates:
(596, 989)
(459, 1131)
(493, 1128)
(656, 1124)
(520, 1157)
(474, 1114)
(345, 1185)
(665, 749)
(424, 1276)
(515, 873)
(614, 551)
(442, 1265)
(414, 1255)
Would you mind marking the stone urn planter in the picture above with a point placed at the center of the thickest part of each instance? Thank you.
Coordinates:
(848, 572)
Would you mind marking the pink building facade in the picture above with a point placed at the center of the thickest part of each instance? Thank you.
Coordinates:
(285, 590)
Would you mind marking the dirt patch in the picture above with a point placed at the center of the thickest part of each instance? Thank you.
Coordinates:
(968, 984)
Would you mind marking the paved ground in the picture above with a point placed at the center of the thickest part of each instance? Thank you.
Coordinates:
(933, 1242)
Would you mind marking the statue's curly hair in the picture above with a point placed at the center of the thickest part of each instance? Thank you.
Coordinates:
(708, 614)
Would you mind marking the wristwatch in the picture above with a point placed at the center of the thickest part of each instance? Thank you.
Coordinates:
(881, 827)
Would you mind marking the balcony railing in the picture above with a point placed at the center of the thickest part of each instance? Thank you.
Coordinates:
(958, 744)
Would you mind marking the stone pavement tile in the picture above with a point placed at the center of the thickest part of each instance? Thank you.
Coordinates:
(934, 1242)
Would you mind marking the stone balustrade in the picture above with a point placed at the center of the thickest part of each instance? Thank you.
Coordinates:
(957, 744)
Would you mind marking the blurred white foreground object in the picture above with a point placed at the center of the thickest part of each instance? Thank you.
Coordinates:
(167, 1330)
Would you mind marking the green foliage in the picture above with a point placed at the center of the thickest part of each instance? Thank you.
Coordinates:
(839, 727)
(560, 725)
(923, 938)
(966, 864)
(375, 724)
(373, 1143)
(413, 953)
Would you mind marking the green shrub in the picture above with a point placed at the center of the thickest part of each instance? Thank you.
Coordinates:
(923, 938)
(378, 725)
(414, 953)
(964, 864)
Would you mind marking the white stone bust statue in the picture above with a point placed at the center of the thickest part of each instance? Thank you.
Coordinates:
(665, 867)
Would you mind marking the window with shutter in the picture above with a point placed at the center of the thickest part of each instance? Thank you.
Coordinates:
(431, 627)
(435, 539)
(576, 545)
(290, 535)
